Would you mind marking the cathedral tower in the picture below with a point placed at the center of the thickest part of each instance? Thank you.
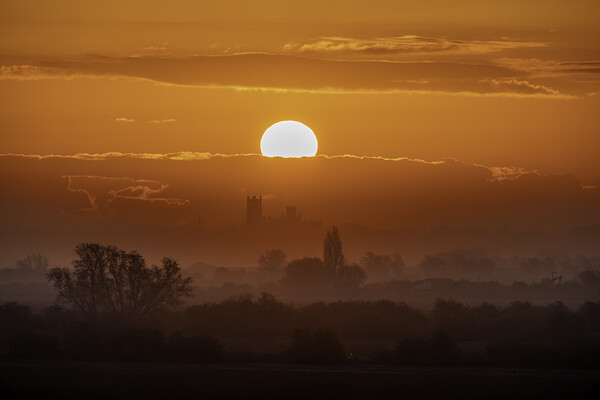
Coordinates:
(253, 210)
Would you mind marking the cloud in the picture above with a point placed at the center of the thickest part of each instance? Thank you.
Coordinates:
(161, 47)
(517, 86)
(494, 173)
(91, 198)
(310, 75)
(508, 173)
(381, 158)
(162, 121)
(337, 65)
(305, 74)
(368, 190)
(405, 44)
(145, 192)
(178, 156)
(124, 119)
(551, 68)
(26, 72)
(198, 156)
(101, 191)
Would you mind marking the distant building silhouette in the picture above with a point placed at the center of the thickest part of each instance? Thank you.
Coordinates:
(290, 214)
(253, 210)
(290, 220)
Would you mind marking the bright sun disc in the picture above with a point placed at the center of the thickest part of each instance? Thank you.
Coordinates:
(289, 139)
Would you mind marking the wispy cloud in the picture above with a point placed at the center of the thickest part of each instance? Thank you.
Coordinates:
(135, 189)
(403, 45)
(91, 198)
(338, 65)
(26, 72)
(177, 156)
(145, 192)
(111, 193)
(477, 89)
(162, 121)
(508, 173)
(309, 75)
(551, 68)
(153, 121)
(160, 47)
(195, 156)
(496, 174)
(380, 158)
(262, 72)
(101, 191)
(518, 86)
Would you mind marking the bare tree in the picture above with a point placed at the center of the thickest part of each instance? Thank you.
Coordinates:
(107, 280)
(33, 262)
(333, 258)
(272, 260)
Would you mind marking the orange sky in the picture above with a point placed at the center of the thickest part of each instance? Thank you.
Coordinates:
(508, 89)
(510, 84)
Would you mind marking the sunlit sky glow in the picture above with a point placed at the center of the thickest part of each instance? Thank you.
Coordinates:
(509, 85)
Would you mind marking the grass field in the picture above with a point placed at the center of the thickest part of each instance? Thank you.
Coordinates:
(73, 380)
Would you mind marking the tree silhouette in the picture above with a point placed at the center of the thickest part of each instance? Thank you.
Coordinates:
(457, 262)
(307, 271)
(33, 262)
(107, 280)
(590, 278)
(272, 260)
(333, 258)
(351, 276)
(382, 266)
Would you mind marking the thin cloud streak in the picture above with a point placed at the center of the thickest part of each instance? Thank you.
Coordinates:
(196, 156)
(26, 72)
(179, 156)
(520, 86)
(405, 44)
(130, 188)
(91, 198)
(547, 93)
(551, 68)
(507, 173)
(262, 72)
(497, 173)
(358, 157)
(556, 95)
(162, 121)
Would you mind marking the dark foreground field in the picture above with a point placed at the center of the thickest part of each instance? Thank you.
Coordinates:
(73, 380)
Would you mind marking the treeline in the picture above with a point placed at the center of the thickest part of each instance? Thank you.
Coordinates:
(123, 309)
(457, 264)
(452, 334)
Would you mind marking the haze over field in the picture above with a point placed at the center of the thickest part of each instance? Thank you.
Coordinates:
(61, 199)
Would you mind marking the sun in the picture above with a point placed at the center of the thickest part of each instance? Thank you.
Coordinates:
(290, 139)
